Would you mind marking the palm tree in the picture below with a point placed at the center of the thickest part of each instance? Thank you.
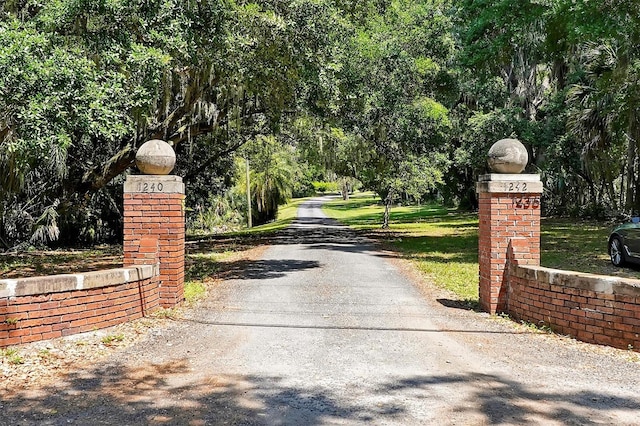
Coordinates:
(604, 116)
(272, 177)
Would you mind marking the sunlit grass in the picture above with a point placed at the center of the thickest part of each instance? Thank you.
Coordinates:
(286, 215)
(365, 211)
(578, 245)
(586, 239)
(194, 291)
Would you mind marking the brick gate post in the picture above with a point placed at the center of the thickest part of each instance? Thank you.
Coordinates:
(154, 224)
(509, 224)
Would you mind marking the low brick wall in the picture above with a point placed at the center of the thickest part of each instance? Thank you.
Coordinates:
(596, 309)
(40, 308)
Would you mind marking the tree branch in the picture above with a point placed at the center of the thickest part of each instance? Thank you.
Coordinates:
(99, 176)
(207, 163)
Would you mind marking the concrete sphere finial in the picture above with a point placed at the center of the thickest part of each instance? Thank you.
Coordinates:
(508, 156)
(155, 157)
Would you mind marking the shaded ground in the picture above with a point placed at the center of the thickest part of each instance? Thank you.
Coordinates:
(322, 328)
(52, 262)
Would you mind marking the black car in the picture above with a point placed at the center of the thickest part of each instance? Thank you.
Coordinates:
(624, 243)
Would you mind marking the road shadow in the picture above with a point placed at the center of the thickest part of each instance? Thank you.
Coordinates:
(313, 232)
(267, 269)
(306, 230)
(168, 393)
(503, 401)
(243, 269)
(465, 305)
(155, 394)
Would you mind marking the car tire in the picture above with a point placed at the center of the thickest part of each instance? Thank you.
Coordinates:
(616, 251)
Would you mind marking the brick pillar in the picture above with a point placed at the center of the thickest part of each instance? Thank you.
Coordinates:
(154, 230)
(509, 215)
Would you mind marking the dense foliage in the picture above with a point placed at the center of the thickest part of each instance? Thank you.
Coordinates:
(403, 96)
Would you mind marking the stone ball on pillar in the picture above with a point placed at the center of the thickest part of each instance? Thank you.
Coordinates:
(508, 156)
(156, 157)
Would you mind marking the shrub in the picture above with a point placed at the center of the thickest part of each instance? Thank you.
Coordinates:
(221, 213)
(323, 187)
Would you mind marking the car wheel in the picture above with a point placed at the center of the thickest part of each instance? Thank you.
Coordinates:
(616, 251)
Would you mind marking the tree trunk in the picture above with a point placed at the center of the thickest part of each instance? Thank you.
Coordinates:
(345, 190)
(633, 182)
(3, 242)
(387, 211)
(631, 149)
(99, 176)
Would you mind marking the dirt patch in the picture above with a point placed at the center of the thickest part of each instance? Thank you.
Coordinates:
(37, 364)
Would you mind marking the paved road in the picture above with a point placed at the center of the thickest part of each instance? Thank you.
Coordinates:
(325, 329)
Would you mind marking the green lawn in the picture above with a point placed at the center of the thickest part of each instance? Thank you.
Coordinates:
(443, 243)
(578, 246)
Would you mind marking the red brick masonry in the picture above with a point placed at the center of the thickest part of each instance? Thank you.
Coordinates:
(154, 230)
(41, 308)
(509, 215)
(595, 309)
(592, 308)
(503, 223)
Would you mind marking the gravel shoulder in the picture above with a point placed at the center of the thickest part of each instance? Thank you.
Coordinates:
(321, 328)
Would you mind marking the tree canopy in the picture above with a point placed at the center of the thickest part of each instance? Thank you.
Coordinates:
(403, 96)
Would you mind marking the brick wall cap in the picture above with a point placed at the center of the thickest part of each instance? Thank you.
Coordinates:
(69, 282)
(604, 284)
(153, 184)
(499, 177)
(512, 186)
